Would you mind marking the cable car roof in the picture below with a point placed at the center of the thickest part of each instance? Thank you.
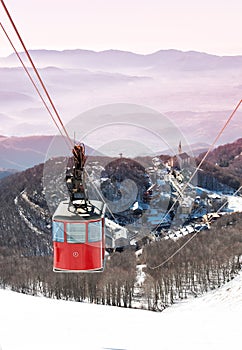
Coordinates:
(66, 212)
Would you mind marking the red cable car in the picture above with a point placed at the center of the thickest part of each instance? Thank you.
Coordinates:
(78, 224)
(79, 238)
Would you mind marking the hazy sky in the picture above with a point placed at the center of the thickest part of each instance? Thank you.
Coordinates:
(142, 26)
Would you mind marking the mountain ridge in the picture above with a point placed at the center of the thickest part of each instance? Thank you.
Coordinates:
(26, 151)
(19, 153)
(116, 57)
(167, 80)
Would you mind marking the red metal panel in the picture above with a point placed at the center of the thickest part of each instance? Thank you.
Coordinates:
(76, 256)
(79, 256)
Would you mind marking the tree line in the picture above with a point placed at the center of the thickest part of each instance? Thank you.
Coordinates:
(209, 260)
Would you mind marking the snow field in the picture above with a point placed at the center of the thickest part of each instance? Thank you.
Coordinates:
(211, 322)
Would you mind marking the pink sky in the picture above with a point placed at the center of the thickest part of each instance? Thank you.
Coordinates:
(142, 26)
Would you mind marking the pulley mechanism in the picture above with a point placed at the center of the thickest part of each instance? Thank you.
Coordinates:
(75, 180)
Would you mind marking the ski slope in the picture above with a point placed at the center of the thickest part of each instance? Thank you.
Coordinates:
(211, 322)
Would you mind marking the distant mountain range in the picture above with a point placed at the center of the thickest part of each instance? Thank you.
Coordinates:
(197, 91)
(114, 59)
(20, 153)
(23, 152)
(6, 172)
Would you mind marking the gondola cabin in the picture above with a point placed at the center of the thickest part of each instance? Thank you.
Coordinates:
(78, 238)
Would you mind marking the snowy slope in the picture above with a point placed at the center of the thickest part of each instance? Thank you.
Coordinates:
(210, 322)
(234, 203)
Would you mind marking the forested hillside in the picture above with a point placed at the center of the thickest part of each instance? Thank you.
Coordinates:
(224, 163)
(209, 260)
(15, 230)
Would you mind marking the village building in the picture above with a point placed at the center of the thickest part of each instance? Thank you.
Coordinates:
(180, 160)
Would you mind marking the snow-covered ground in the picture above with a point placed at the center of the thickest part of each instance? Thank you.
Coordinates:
(211, 322)
(234, 203)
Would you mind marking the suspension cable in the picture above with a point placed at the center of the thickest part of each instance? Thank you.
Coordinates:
(36, 72)
(101, 196)
(64, 128)
(44, 88)
(224, 204)
(193, 236)
(31, 79)
(201, 162)
(197, 168)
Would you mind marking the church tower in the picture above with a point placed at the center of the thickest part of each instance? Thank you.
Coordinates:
(180, 148)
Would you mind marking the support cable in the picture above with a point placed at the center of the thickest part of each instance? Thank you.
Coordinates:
(196, 170)
(202, 161)
(36, 72)
(31, 79)
(192, 237)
